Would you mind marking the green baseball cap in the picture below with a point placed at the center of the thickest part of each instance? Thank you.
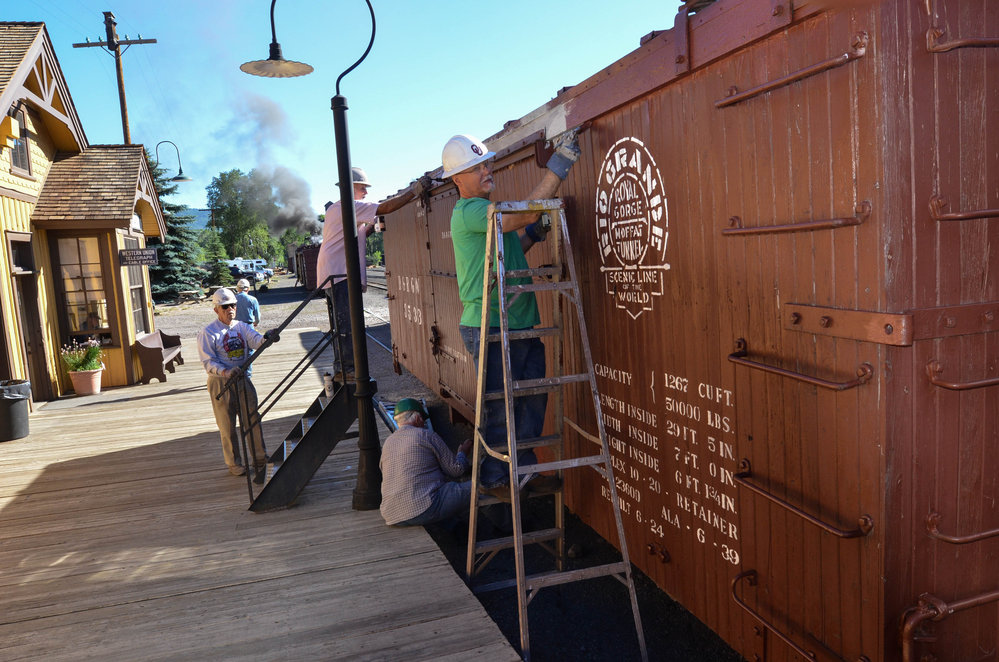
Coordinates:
(410, 404)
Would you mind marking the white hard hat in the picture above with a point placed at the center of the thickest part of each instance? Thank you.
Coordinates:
(242, 284)
(357, 176)
(223, 296)
(462, 152)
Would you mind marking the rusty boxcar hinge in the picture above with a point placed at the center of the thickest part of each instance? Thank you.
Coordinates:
(864, 325)
(857, 50)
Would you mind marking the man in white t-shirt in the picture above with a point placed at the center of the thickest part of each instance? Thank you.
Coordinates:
(333, 261)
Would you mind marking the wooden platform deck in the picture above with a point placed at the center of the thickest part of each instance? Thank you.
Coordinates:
(123, 537)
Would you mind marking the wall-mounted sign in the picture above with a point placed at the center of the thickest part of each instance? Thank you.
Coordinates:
(133, 256)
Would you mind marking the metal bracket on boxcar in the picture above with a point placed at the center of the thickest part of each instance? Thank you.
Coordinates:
(931, 608)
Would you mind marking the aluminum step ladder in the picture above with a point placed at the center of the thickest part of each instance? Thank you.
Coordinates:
(553, 279)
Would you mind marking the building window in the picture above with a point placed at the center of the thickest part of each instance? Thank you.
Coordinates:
(20, 157)
(137, 291)
(84, 298)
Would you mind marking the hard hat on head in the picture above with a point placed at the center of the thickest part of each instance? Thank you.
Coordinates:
(357, 176)
(410, 404)
(242, 284)
(223, 296)
(462, 152)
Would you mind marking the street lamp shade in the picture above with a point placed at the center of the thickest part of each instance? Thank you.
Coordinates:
(275, 66)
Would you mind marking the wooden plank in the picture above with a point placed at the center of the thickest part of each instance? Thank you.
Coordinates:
(124, 534)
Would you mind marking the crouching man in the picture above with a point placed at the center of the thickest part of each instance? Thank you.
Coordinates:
(417, 468)
(224, 347)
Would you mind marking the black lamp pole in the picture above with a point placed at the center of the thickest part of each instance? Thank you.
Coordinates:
(367, 491)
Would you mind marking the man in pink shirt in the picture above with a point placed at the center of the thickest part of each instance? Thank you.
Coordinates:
(333, 262)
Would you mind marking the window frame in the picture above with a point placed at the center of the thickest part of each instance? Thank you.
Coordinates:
(137, 285)
(23, 142)
(66, 333)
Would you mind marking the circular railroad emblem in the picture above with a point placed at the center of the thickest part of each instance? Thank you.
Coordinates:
(632, 226)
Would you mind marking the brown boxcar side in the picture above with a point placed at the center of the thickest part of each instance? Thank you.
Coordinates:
(794, 333)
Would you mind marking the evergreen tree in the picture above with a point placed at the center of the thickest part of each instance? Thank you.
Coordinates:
(218, 272)
(177, 269)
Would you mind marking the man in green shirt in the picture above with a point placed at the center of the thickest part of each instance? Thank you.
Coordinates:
(466, 162)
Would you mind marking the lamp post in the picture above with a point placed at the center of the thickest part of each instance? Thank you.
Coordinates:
(367, 491)
(181, 177)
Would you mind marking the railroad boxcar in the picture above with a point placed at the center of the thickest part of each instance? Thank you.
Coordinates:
(784, 219)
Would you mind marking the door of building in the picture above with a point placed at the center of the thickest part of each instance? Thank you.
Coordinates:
(26, 295)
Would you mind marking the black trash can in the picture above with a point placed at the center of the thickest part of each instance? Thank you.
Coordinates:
(14, 396)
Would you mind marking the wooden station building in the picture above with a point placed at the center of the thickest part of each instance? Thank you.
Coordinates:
(68, 210)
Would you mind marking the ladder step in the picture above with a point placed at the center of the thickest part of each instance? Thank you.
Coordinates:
(520, 334)
(556, 465)
(554, 578)
(543, 385)
(558, 286)
(531, 442)
(542, 272)
(529, 538)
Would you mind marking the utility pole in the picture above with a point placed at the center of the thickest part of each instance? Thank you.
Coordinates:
(114, 45)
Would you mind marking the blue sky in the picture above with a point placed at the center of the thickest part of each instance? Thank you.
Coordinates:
(436, 69)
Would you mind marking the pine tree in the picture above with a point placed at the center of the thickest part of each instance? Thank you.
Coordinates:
(177, 269)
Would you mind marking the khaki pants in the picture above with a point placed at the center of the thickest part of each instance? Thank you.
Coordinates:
(226, 409)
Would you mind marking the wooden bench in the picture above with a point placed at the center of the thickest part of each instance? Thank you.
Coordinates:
(157, 352)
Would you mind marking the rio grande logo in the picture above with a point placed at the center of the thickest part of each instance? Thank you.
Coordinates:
(632, 226)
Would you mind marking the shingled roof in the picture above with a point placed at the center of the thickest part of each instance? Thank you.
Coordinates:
(99, 187)
(15, 40)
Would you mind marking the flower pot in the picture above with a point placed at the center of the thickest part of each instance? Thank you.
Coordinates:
(87, 382)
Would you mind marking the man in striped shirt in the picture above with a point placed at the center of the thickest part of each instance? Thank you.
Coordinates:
(418, 472)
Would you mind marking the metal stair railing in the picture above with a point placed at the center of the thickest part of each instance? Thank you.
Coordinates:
(250, 419)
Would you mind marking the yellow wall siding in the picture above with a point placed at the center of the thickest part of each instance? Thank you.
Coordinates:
(41, 152)
(15, 217)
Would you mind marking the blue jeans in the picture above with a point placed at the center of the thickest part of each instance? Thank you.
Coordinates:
(527, 361)
(343, 340)
(450, 500)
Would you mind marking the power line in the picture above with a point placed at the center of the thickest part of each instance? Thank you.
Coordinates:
(113, 44)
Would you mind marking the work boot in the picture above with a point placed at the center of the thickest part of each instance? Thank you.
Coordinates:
(542, 484)
(500, 492)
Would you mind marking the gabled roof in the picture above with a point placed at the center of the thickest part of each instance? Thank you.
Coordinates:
(100, 188)
(29, 71)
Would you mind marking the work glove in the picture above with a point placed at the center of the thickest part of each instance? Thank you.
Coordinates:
(538, 231)
(423, 186)
(271, 336)
(566, 153)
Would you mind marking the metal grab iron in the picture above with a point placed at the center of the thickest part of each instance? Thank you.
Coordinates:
(750, 575)
(863, 212)
(864, 371)
(857, 50)
(865, 523)
(931, 608)
(938, 203)
(934, 368)
(933, 521)
(934, 43)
